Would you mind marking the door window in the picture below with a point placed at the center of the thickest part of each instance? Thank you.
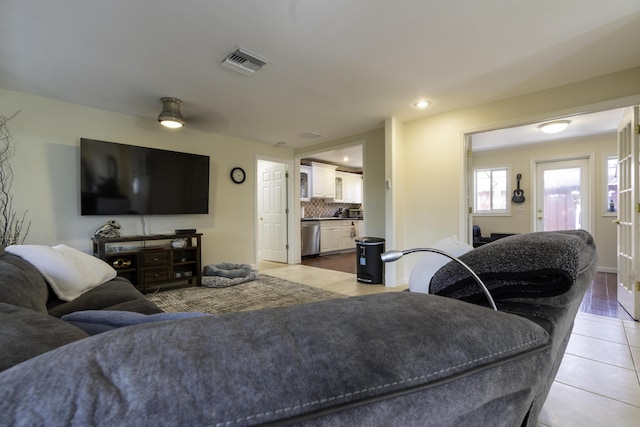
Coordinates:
(611, 186)
(562, 195)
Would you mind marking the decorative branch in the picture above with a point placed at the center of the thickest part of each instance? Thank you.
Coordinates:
(12, 225)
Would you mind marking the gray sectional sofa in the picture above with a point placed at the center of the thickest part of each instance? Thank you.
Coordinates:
(398, 358)
(30, 311)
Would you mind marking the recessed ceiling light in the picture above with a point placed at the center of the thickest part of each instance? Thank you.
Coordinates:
(421, 104)
(345, 159)
(555, 126)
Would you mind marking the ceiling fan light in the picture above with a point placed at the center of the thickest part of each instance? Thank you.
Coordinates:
(172, 124)
(555, 126)
(171, 116)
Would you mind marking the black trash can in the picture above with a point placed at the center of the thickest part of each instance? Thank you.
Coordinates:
(369, 250)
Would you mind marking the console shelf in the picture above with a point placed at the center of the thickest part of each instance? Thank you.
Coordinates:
(151, 261)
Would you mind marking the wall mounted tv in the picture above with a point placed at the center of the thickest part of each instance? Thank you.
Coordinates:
(119, 179)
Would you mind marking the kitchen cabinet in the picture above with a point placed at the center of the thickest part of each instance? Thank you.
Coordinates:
(330, 236)
(348, 187)
(357, 188)
(305, 183)
(348, 235)
(323, 180)
(359, 224)
(337, 235)
(339, 187)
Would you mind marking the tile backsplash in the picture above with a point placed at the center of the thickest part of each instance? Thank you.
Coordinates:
(319, 208)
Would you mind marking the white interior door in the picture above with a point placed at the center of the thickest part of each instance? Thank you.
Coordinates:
(562, 195)
(272, 211)
(628, 211)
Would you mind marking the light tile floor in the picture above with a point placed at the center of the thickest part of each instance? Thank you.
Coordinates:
(598, 383)
(330, 280)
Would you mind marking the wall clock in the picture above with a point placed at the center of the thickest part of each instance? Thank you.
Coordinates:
(237, 175)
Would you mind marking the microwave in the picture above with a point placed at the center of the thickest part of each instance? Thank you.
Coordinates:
(355, 213)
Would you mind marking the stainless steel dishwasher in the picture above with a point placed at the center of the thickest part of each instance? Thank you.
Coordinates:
(310, 231)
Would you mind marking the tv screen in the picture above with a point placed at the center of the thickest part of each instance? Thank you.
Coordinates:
(119, 179)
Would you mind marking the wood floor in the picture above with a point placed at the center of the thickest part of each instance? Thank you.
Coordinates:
(599, 299)
(345, 262)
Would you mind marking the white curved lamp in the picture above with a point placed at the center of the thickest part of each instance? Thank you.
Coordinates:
(391, 256)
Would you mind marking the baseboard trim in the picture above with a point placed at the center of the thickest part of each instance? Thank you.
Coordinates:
(607, 270)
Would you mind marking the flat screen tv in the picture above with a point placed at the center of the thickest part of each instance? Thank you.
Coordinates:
(119, 179)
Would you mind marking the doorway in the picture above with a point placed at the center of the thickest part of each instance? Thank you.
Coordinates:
(562, 195)
(523, 147)
(592, 148)
(348, 161)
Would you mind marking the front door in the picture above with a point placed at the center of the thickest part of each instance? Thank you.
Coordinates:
(562, 195)
(272, 211)
(628, 210)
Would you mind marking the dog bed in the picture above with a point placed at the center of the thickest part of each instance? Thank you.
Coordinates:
(227, 274)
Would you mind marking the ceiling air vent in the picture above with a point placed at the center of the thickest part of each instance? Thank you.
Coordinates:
(244, 61)
(310, 135)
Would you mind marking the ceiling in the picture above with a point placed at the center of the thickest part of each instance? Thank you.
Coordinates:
(349, 158)
(334, 68)
(581, 125)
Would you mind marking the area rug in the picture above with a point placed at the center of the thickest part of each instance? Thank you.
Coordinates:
(265, 292)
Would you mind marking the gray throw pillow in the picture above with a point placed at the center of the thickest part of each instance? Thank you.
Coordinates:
(97, 321)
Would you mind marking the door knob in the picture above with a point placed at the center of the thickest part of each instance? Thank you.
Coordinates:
(616, 221)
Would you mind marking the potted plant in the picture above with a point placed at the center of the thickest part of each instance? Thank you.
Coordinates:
(13, 227)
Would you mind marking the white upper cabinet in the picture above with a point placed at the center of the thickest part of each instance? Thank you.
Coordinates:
(323, 181)
(348, 187)
(340, 186)
(305, 183)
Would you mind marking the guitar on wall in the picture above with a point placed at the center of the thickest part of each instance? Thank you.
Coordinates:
(518, 194)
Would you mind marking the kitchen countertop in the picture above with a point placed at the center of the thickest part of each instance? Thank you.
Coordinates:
(329, 218)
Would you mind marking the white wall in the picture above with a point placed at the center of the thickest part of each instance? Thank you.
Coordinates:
(46, 166)
(432, 159)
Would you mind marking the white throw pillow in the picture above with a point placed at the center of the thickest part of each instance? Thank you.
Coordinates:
(431, 262)
(69, 271)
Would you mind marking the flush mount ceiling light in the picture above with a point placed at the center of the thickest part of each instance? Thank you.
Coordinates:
(555, 126)
(421, 104)
(171, 116)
